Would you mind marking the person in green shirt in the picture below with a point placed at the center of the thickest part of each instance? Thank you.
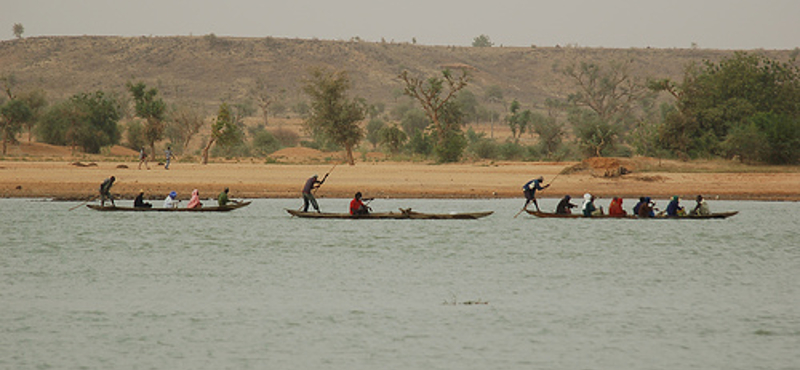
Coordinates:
(223, 199)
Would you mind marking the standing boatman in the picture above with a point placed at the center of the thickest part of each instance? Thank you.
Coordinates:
(308, 197)
(105, 191)
(530, 188)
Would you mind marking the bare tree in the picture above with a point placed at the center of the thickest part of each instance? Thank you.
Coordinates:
(431, 94)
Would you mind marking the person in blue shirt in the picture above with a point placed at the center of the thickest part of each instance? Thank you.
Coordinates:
(674, 208)
(530, 188)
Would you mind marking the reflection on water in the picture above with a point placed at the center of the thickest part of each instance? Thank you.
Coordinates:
(255, 288)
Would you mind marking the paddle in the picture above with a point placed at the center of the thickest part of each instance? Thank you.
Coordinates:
(93, 198)
(548, 185)
(324, 178)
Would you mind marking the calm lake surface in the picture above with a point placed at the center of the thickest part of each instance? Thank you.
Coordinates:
(257, 289)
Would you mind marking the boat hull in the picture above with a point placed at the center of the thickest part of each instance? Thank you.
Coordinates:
(688, 217)
(226, 208)
(404, 214)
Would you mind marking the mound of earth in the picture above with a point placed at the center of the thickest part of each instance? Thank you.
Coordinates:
(603, 166)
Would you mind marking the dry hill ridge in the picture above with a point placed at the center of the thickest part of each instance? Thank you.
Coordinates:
(206, 69)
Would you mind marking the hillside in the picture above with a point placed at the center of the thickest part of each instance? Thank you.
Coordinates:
(206, 69)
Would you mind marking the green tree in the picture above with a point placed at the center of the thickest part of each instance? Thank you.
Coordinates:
(393, 138)
(37, 102)
(225, 131)
(517, 120)
(332, 113)
(374, 128)
(434, 95)
(265, 143)
(715, 98)
(18, 29)
(151, 108)
(493, 94)
(482, 41)
(135, 135)
(86, 120)
(596, 137)
(550, 133)
(414, 120)
(12, 115)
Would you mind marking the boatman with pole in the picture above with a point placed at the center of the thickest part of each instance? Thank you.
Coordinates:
(105, 191)
(308, 196)
(530, 188)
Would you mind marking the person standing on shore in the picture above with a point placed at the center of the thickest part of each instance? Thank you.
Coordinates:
(168, 155)
(530, 188)
(143, 158)
(308, 196)
(105, 191)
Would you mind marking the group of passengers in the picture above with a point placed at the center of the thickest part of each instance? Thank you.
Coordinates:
(170, 202)
(645, 208)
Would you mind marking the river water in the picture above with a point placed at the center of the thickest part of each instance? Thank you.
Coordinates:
(257, 289)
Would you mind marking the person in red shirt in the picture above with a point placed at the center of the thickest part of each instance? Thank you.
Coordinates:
(615, 208)
(357, 207)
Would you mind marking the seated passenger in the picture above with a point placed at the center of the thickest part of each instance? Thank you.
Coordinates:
(674, 208)
(357, 207)
(647, 208)
(588, 206)
(615, 208)
(170, 201)
(194, 201)
(564, 207)
(701, 209)
(139, 201)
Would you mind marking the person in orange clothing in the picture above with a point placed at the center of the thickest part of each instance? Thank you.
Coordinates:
(615, 208)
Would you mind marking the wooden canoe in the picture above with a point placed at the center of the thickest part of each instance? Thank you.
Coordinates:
(225, 208)
(688, 217)
(404, 214)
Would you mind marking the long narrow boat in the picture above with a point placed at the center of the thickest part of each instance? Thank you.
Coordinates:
(225, 208)
(687, 217)
(404, 214)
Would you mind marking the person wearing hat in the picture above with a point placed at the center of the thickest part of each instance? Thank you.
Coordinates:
(647, 208)
(564, 207)
(674, 208)
(139, 201)
(308, 197)
(530, 188)
(615, 208)
(171, 202)
(105, 191)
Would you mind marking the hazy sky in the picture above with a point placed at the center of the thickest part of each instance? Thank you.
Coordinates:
(722, 24)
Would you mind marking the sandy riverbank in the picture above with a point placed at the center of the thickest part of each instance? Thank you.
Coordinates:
(65, 180)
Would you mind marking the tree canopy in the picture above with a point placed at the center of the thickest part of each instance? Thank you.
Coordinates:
(152, 108)
(86, 120)
(332, 113)
(434, 94)
(747, 106)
